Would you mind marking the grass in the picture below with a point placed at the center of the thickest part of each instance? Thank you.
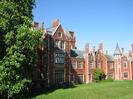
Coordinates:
(102, 90)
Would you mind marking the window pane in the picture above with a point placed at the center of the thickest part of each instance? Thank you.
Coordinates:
(59, 34)
(80, 65)
(91, 64)
(125, 75)
(125, 64)
(62, 44)
(80, 78)
(59, 76)
(56, 43)
(59, 58)
(74, 65)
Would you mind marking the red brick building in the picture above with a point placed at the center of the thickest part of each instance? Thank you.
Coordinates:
(122, 64)
(60, 61)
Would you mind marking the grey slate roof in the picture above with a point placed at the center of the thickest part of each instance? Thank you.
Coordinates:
(109, 57)
(52, 30)
(117, 50)
(76, 53)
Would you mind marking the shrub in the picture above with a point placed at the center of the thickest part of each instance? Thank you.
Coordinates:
(98, 75)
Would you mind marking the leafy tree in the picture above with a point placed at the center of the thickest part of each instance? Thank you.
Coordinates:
(98, 74)
(18, 47)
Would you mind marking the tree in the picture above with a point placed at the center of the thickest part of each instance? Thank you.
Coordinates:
(13, 14)
(98, 74)
(19, 49)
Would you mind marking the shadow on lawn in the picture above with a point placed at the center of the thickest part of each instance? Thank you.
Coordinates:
(47, 90)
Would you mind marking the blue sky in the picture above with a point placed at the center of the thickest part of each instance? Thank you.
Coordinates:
(93, 21)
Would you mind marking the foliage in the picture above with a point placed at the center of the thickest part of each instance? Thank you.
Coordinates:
(13, 14)
(98, 74)
(19, 49)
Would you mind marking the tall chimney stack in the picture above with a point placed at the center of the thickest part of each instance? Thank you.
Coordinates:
(55, 23)
(101, 47)
(93, 49)
(132, 48)
(122, 50)
(87, 48)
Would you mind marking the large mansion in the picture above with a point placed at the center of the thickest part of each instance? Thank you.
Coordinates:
(60, 61)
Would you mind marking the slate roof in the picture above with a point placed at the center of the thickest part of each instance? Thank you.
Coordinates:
(76, 53)
(128, 56)
(117, 50)
(52, 30)
(109, 57)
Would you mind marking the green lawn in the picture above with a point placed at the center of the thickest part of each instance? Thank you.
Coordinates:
(103, 90)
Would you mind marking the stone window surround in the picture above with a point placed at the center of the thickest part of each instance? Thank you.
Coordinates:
(125, 64)
(127, 75)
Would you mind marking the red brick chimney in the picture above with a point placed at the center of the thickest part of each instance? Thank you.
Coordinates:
(122, 50)
(93, 49)
(87, 48)
(55, 23)
(101, 47)
(132, 48)
(86, 65)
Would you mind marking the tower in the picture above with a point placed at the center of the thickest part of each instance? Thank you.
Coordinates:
(117, 63)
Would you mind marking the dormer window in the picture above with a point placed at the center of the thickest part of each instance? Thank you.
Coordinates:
(59, 34)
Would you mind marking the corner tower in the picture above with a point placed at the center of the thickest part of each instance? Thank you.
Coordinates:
(117, 63)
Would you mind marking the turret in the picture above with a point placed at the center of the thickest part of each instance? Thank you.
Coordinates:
(117, 50)
(117, 62)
